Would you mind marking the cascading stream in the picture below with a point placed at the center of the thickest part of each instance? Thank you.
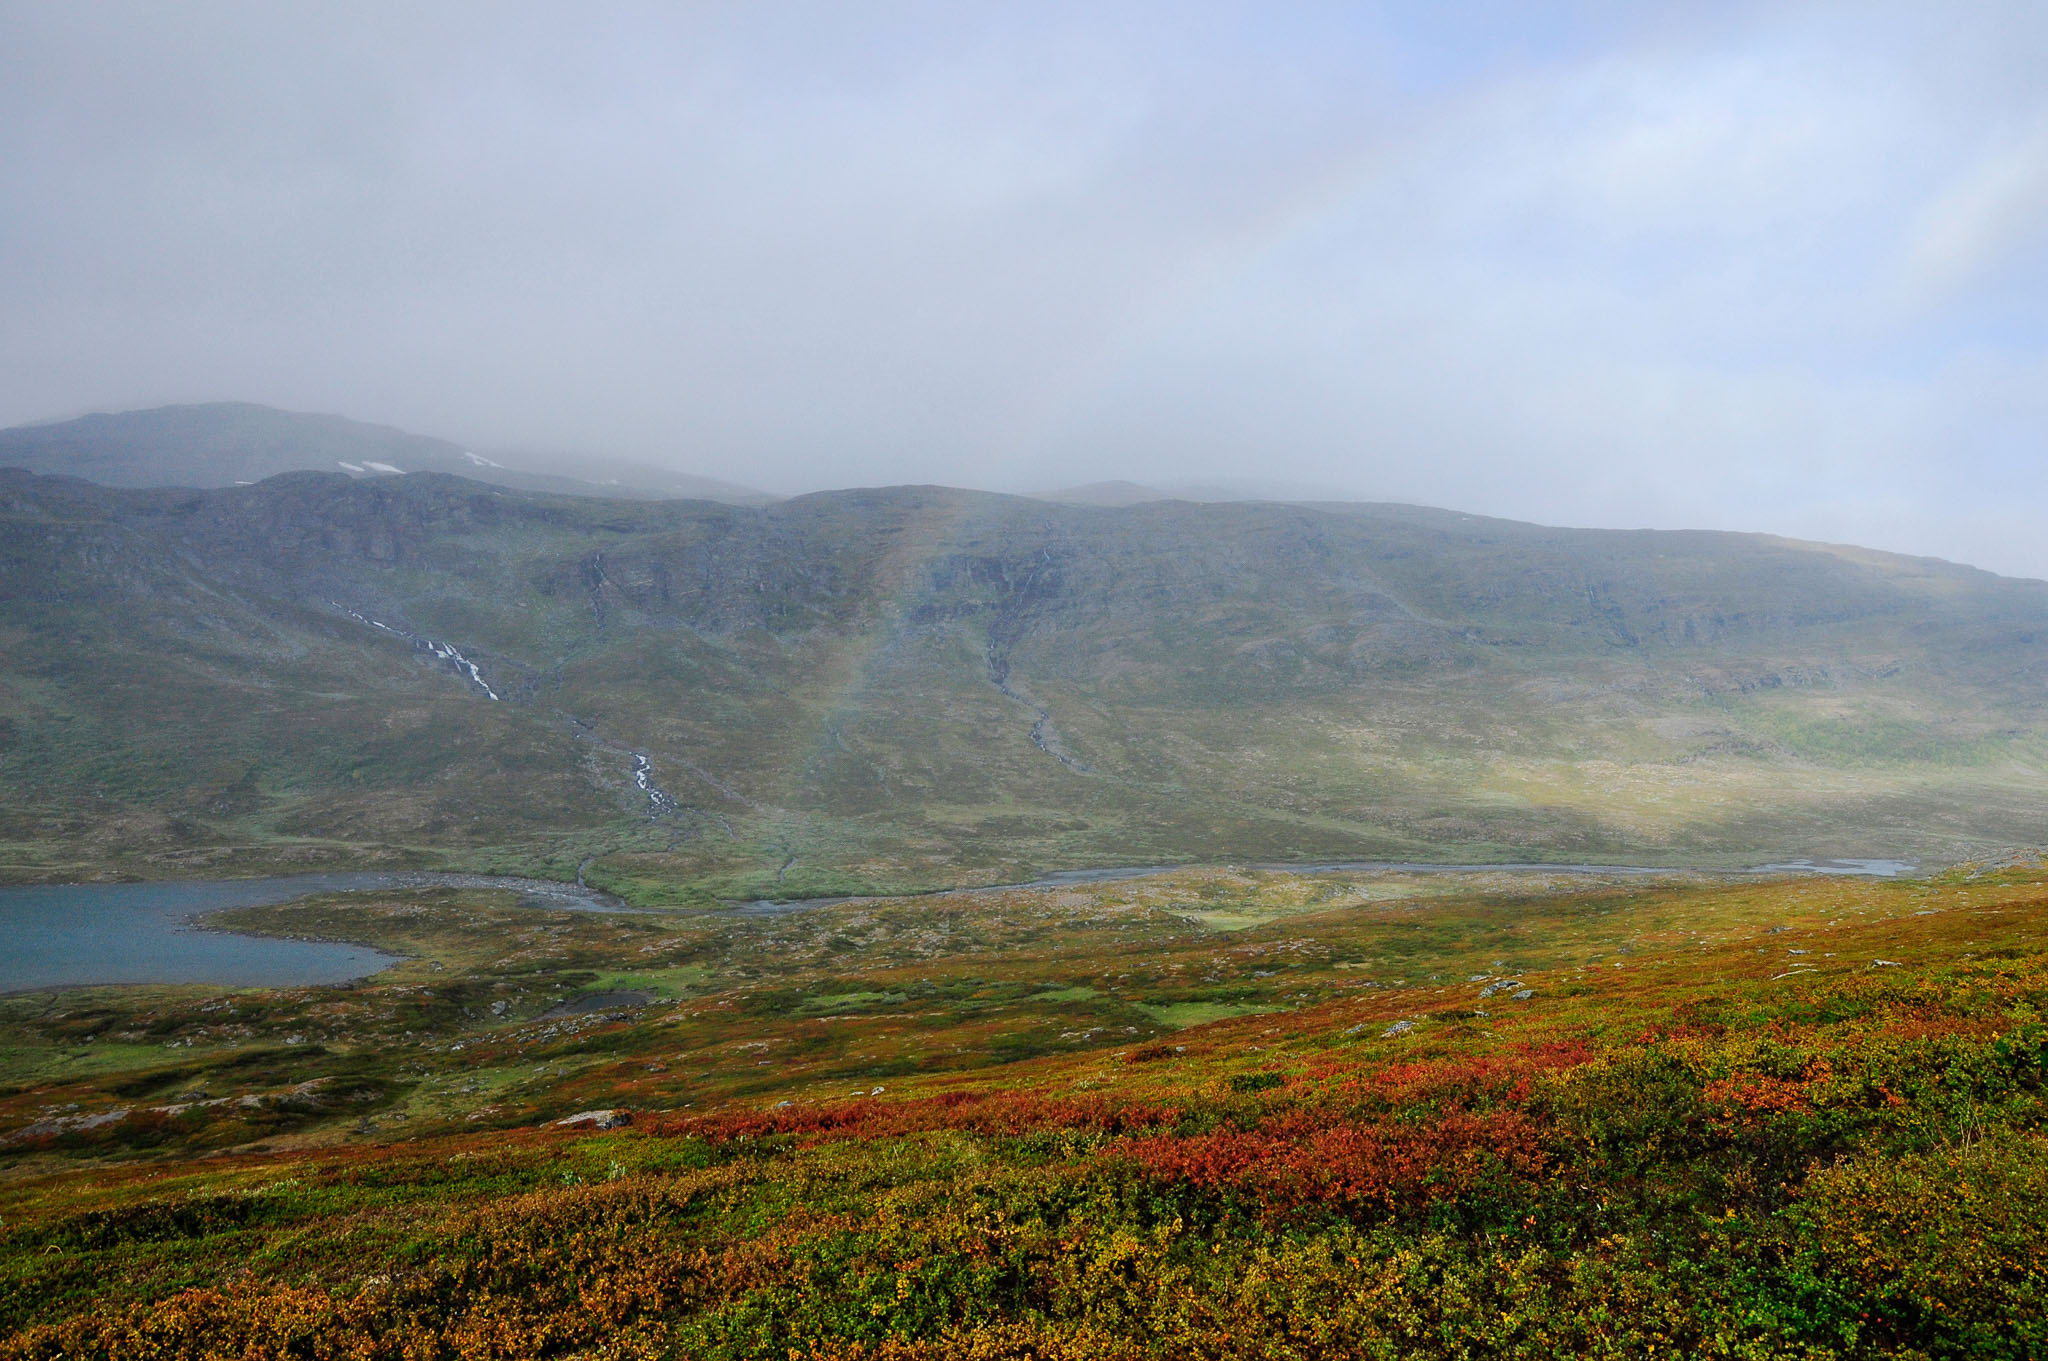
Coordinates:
(660, 803)
(447, 652)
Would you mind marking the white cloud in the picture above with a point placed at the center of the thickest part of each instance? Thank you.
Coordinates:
(1997, 205)
(1769, 267)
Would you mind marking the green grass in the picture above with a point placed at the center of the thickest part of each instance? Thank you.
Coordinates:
(1181, 1015)
(26, 1063)
(674, 982)
(1071, 994)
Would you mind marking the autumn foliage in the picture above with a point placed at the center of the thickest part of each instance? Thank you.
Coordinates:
(1701, 1165)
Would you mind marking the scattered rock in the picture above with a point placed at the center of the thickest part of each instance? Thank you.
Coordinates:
(1524, 995)
(602, 1001)
(605, 1119)
(63, 1124)
(1397, 1028)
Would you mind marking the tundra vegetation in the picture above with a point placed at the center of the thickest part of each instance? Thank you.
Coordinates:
(1226, 1113)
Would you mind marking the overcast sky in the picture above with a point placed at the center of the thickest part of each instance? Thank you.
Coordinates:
(1778, 267)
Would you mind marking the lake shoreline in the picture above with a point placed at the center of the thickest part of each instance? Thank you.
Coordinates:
(150, 923)
(155, 933)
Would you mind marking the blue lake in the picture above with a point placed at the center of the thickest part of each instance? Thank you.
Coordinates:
(75, 935)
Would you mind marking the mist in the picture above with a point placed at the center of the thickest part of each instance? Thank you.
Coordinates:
(1772, 268)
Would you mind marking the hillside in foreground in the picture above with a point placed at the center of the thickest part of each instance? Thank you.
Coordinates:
(914, 687)
(1217, 1113)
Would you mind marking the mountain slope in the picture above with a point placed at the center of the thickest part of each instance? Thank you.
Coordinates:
(920, 685)
(221, 444)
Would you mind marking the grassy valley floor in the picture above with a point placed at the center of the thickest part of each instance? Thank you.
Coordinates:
(1210, 1113)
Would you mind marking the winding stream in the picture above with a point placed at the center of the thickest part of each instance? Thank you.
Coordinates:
(660, 803)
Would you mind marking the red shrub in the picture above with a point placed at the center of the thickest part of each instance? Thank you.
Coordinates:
(1377, 1168)
(1004, 1113)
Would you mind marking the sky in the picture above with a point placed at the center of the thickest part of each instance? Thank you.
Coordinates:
(1778, 267)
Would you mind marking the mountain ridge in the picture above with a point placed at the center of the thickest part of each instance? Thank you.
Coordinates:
(915, 686)
(217, 444)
